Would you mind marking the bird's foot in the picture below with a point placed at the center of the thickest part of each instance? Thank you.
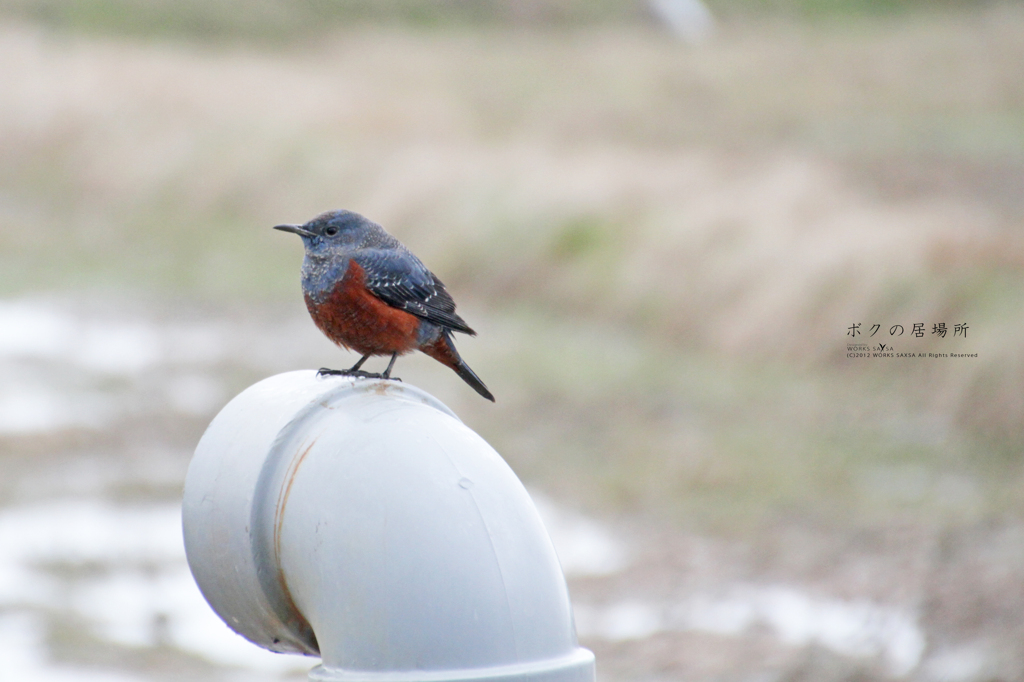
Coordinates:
(358, 373)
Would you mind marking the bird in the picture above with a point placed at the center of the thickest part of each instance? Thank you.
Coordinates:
(368, 293)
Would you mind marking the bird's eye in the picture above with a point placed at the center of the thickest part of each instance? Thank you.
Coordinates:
(331, 231)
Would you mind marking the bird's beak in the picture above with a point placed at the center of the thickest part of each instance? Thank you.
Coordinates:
(297, 229)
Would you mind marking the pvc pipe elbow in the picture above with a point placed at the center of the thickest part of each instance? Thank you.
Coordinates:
(361, 521)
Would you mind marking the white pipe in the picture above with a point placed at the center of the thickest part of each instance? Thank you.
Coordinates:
(361, 521)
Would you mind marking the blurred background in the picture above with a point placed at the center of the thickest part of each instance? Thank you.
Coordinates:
(663, 218)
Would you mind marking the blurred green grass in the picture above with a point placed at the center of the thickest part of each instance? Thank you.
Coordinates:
(665, 243)
(279, 20)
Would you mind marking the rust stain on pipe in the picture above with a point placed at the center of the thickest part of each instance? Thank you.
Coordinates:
(296, 617)
(286, 490)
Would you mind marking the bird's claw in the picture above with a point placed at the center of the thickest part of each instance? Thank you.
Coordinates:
(358, 373)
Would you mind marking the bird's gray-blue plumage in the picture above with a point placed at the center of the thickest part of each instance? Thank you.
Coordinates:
(398, 278)
(393, 273)
(359, 311)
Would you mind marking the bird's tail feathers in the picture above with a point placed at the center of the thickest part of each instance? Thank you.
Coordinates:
(443, 350)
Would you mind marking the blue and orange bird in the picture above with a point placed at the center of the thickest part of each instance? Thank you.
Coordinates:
(368, 293)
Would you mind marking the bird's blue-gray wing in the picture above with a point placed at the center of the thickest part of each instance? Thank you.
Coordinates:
(402, 281)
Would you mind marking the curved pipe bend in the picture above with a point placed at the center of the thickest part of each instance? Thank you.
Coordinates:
(363, 522)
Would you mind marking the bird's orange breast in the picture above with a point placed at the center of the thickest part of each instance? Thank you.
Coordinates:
(353, 317)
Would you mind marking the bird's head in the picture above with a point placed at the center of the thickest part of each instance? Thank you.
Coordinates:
(333, 232)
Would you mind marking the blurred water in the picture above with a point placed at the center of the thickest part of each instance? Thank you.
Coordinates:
(140, 595)
(140, 592)
(143, 594)
(856, 628)
(24, 654)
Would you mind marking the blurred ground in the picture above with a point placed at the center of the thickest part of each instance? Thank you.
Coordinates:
(662, 244)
